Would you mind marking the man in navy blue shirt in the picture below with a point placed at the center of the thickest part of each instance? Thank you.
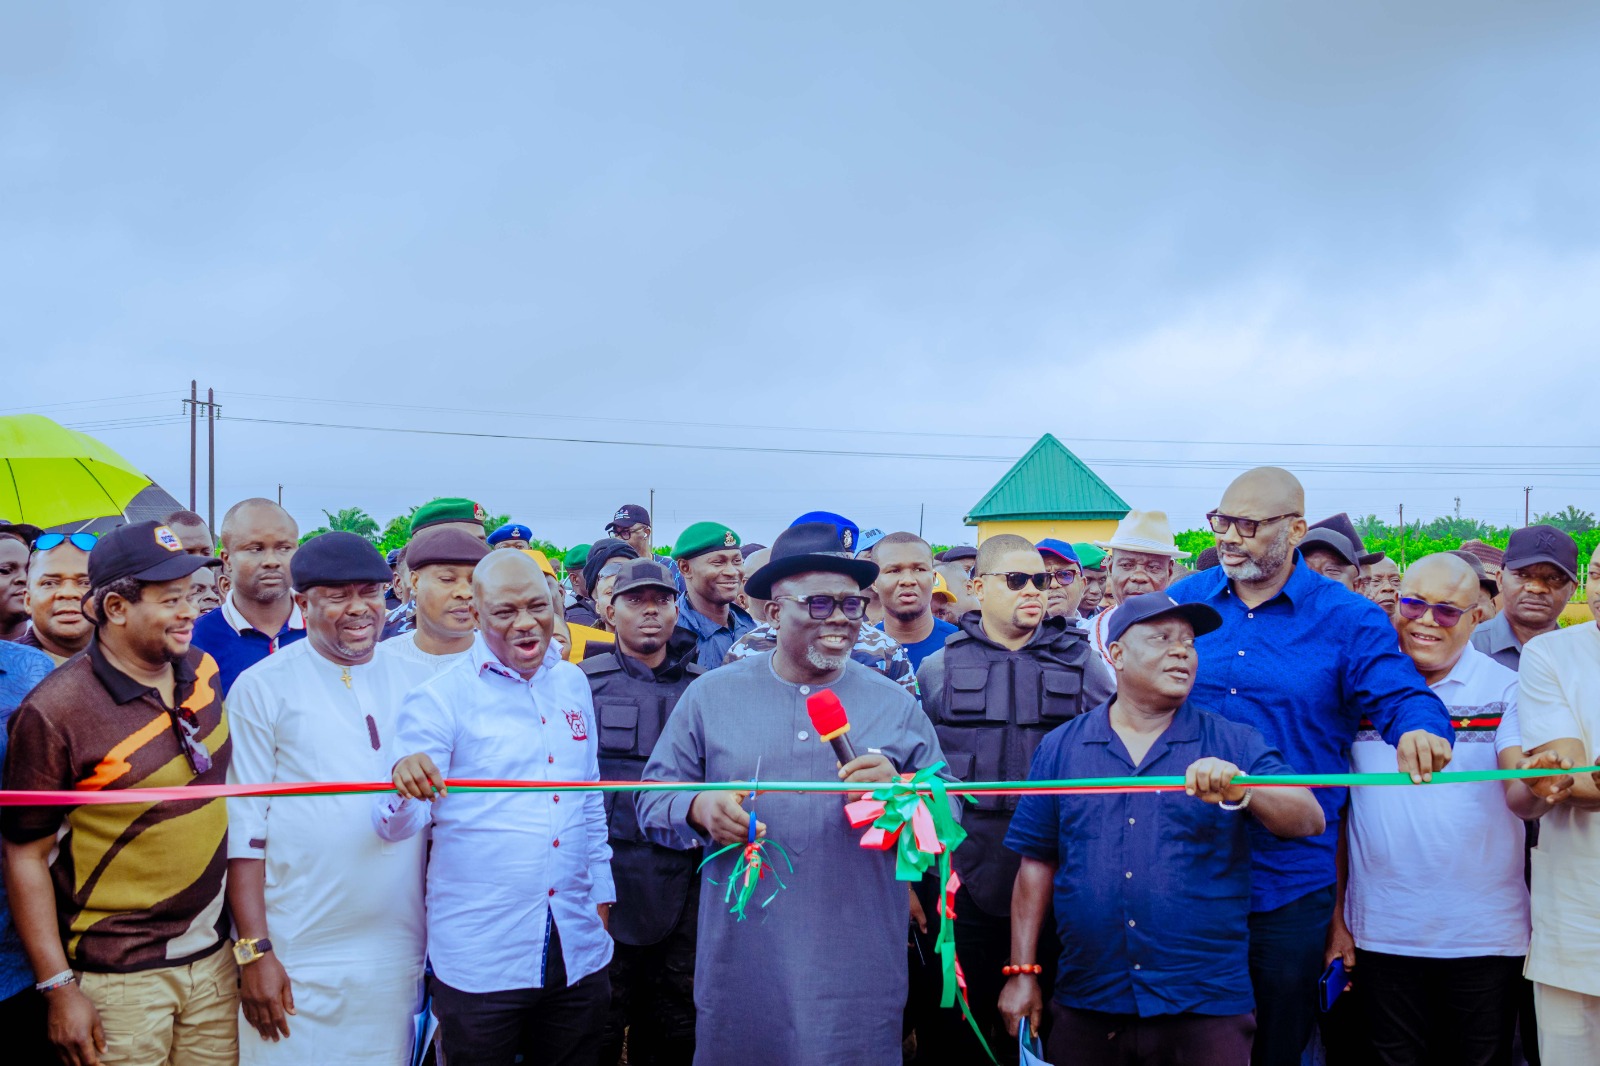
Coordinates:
(1151, 890)
(259, 616)
(1303, 660)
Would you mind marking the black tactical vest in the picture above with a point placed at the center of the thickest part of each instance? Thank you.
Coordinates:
(631, 708)
(997, 707)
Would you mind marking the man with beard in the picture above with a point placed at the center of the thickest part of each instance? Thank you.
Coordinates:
(905, 587)
(440, 578)
(14, 541)
(712, 568)
(58, 580)
(120, 906)
(775, 984)
(993, 692)
(259, 616)
(1537, 575)
(330, 965)
(1066, 580)
(519, 886)
(1142, 552)
(1304, 662)
(635, 688)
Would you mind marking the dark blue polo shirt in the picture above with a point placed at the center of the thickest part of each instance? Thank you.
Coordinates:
(235, 645)
(1305, 668)
(1152, 889)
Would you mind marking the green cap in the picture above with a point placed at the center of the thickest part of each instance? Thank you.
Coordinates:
(1089, 557)
(704, 537)
(447, 509)
(575, 557)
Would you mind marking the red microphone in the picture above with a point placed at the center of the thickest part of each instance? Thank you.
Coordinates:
(831, 723)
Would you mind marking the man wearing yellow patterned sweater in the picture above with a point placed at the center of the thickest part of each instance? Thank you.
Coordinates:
(120, 908)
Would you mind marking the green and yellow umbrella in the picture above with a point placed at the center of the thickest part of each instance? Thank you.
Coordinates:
(51, 475)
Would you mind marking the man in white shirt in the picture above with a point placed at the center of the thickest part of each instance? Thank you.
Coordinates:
(519, 884)
(1436, 901)
(329, 917)
(439, 563)
(1560, 677)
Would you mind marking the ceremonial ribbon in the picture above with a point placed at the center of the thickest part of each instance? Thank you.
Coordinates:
(1062, 787)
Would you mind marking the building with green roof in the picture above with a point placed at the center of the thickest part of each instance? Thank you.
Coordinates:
(1049, 492)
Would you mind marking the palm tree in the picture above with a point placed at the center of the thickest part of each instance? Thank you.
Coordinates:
(1570, 520)
(349, 520)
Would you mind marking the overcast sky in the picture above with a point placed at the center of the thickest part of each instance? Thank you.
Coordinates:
(919, 234)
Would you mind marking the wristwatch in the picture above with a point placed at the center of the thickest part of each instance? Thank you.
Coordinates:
(1244, 801)
(250, 949)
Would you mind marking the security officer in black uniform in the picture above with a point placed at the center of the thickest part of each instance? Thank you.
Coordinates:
(635, 688)
(994, 691)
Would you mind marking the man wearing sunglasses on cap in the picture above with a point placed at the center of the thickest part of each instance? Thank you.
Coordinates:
(993, 692)
(58, 580)
(782, 989)
(123, 918)
(1436, 987)
(1304, 661)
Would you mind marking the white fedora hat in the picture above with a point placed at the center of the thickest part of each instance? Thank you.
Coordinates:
(1144, 531)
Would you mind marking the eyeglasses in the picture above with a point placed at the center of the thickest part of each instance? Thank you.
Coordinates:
(82, 541)
(188, 730)
(1246, 526)
(822, 607)
(1061, 578)
(1445, 614)
(1015, 579)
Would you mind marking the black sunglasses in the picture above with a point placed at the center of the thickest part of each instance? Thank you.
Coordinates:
(822, 607)
(1016, 579)
(1246, 526)
(1062, 578)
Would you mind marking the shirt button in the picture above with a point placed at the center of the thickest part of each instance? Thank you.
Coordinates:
(552, 758)
(1241, 652)
(541, 720)
(1129, 874)
(1135, 966)
(803, 735)
(555, 799)
(805, 690)
(556, 843)
(552, 891)
(1131, 923)
(1130, 821)
(1233, 692)
(1250, 614)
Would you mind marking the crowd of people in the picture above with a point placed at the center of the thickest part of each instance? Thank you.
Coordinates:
(1221, 924)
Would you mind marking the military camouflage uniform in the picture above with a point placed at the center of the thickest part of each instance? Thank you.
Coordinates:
(874, 648)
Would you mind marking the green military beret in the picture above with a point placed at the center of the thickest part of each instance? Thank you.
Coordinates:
(575, 558)
(704, 537)
(1089, 557)
(447, 509)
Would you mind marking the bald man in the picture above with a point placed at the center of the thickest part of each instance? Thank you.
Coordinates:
(259, 615)
(1305, 661)
(519, 886)
(1437, 988)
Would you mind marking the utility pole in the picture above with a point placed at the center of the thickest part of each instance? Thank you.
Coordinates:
(1527, 494)
(211, 459)
(194, 418)
(280, 494)
(922, 511)
(652, 521)
(1458, 508)
(1402, 536)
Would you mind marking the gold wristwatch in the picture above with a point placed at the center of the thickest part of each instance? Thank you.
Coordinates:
(250, 949)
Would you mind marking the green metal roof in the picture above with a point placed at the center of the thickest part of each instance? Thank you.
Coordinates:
(1049, 482)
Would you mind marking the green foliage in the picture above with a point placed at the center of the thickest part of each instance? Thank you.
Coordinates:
(349, 520)
(396, 532)
(1571, 520)
(1194, 541)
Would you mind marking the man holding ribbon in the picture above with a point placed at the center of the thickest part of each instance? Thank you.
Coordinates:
(772, 988)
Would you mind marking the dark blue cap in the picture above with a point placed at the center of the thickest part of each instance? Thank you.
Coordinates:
(809, 547)
(511, 531)
(1153, 605)
(849, 532)
(1058, 548)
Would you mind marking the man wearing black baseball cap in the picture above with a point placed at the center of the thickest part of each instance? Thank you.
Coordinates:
(1537, 576)
(631, 523)
(1330, 553)
(748, 987)
(145, 976)
(636, 686)
(1177, 972)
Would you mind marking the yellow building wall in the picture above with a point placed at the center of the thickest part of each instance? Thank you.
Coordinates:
(1036, 530)
(1574, 614)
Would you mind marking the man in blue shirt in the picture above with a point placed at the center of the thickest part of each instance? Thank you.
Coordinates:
(1303, 660)
(259, 616)
(905, 587)
(1151, 890)
(22, 1009)
(712, 567)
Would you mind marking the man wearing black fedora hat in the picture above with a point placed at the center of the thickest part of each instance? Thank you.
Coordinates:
(774, 984)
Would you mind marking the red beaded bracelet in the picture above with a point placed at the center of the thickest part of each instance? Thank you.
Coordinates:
(1012, 971)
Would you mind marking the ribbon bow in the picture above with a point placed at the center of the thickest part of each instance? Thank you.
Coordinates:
(921, 801)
